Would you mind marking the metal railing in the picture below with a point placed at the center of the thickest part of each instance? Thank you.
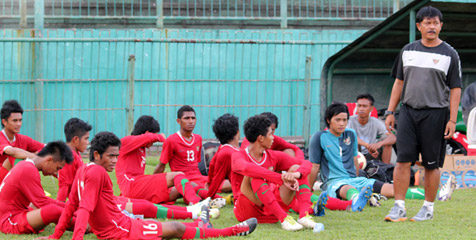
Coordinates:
(207, 10)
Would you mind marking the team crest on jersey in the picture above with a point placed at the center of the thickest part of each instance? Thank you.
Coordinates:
(271, 168)
(435, 61)
(347, 141)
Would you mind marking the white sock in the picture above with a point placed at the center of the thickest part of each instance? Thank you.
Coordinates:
(429, 205)
(194, 215)
(400, 203)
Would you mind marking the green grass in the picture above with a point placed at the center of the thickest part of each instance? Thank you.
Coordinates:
(454, 219)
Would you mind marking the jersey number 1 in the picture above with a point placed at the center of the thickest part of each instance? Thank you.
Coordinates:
(190, 156)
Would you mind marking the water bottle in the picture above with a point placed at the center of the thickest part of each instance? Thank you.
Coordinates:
(318, 227)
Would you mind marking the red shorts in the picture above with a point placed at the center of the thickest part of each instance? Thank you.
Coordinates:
(16, 224)
(149, 187)
(200, 180)
(145, 229)
(245, 209)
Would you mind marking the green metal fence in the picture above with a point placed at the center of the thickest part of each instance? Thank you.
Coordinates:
(208, 10)
(90, 74)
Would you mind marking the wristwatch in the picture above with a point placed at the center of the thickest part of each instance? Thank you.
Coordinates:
(387, 112)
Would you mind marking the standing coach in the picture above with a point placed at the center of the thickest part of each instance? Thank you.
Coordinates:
(428, 83)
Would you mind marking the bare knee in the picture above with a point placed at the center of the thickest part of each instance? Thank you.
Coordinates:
(343, 191)
(172, 230)
(178, 228)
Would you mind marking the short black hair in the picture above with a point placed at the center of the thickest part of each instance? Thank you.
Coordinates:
(184, 108)
(59, 150)
(146, 124)
(100, 143)
(366, 96)
(428, 12)
(335, 109)
(76, 127)
(255, 126)
(272, 117)
(9, 107)
(226, 127)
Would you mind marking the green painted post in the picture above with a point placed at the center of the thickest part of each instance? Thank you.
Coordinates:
(37, 71)
(412, 26)
(160, 14)
(130, 87)
(23, 22)
(307, 101)
(284, 14)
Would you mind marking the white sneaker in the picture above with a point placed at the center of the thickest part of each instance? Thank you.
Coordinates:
(197, 207)
(447, 190)
(289, 224)
(214, 213)
(217, 203)
(307, 221)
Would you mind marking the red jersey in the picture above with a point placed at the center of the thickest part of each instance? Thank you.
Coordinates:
(92, 198)
(279, 144)
(269, 168)
(66, 176)
(20, 187)
(19, 141)
(131, 160)
(220, 168)
(183, 155)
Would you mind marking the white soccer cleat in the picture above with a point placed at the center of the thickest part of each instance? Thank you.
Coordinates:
(214, 213)
(289, 224)
(197, 207)
(307, 221)
(447, 190)
(217, 203)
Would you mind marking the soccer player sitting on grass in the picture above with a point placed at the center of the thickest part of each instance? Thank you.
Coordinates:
(226, 129)
(279, 144)
(93, 202)
(76, 132)
(182, 150)
(14, 145)
(334, 153)
(272, 180)
(131, 166)
(22, 186)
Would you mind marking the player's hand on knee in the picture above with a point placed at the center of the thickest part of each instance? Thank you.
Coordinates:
(291, 185)
(374, 154)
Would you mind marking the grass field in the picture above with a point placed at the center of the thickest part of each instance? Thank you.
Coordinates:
(454, 219)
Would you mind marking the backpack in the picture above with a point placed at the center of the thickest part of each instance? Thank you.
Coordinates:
(208, 151)
(382, 171)
(379, 170)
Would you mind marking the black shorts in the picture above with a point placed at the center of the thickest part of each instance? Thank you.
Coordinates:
(422, 131)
